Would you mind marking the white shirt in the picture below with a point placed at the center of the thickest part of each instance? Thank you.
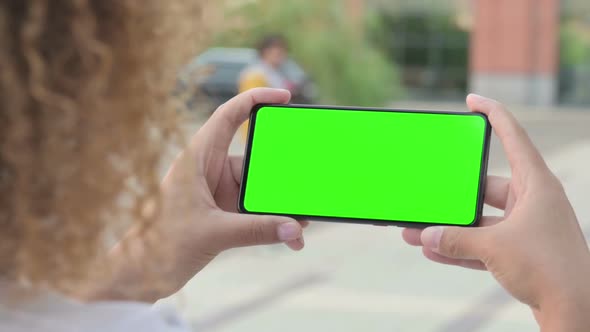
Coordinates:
(53, 313)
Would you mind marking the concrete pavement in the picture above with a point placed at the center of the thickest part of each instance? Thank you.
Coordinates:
(363, 278)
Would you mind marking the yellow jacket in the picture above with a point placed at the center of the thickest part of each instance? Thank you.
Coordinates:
(247, 82)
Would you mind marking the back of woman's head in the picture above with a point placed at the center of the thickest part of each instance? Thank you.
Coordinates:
(84, 115)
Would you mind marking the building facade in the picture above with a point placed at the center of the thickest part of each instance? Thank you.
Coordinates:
(534, 52)
(514, 51)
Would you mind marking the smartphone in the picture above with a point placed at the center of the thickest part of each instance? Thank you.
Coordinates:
(370, 166)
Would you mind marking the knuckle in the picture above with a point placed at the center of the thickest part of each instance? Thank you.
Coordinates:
(451, 243)
(544, 180)
(556, 183)
(555, 188)
(257, 90)
(498, 106)
(499, 111)
(490, 241)
(497, 243)
(523, 136)
(220, 107)
(256, 233)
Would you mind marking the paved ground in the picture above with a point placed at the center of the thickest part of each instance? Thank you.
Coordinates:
(363, 278)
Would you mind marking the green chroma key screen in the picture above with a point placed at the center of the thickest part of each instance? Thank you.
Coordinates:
(366, 165)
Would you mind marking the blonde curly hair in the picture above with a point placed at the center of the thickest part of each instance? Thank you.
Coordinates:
(85, 113)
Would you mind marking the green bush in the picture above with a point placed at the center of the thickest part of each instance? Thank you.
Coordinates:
(431, 46)
(574, 46)
(345, 66)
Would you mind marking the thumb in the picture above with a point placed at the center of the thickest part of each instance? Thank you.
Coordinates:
(454, 242)
(251, 230)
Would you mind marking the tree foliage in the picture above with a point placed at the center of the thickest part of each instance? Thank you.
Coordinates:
(346, 66)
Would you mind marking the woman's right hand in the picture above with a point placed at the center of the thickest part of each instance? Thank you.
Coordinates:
(536, 251)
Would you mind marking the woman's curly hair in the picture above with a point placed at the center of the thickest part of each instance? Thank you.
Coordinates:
(85, 115)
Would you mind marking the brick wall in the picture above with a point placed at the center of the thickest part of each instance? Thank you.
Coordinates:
(516, 40)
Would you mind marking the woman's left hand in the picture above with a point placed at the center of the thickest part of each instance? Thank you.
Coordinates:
(201, 191)
(199, 217)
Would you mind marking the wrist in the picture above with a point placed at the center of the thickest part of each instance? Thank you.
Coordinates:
(571, 317)
(569, 308)
(138, 271)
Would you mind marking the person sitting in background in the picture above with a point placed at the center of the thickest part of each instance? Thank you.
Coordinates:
(266, 72)
(272, 53)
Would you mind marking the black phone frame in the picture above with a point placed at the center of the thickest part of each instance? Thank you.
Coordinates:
(376, 222)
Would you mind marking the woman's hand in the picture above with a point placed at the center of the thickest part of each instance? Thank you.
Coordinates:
(199, 216)
(537, 250)
(201, 191)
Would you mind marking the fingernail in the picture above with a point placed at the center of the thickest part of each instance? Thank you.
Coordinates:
(431, 237)
(289, 231)
(302, 241)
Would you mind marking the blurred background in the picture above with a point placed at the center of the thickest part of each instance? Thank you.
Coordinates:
(533, 55)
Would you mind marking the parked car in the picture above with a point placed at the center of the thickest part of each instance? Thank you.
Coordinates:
(212, 77)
